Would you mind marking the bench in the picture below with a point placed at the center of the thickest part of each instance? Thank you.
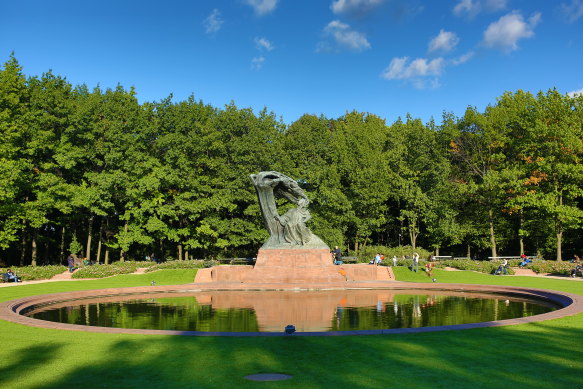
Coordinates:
(237, 261)
(345, 260)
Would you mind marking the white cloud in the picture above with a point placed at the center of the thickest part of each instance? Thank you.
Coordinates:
(494, 5)
(354, 7)
(575, 93)
(471, 8)
(572, 11)
(402, 69)
(467, 8)
(213, 22)
(257, 63)
(344, 36)
(505, 33)
(445, 41)
(262, 7)
(263, 44)
(462, 59)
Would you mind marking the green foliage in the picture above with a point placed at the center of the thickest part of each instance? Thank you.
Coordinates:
(102, 271)
(487, 267)
(194, 264)
(98, 169)
(75, 247)
(552, 267)
(30, 273)
(368, 253)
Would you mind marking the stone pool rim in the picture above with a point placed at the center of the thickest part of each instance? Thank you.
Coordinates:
(572, 304)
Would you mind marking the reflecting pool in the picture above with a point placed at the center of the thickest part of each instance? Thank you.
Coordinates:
(271, 311)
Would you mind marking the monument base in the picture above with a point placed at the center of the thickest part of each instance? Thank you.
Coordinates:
(294, 266)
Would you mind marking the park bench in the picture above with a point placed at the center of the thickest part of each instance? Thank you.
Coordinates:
(507, 257)
(346, 260)
(237, 261)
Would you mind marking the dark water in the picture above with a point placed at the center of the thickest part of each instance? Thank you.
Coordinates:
(271, 311)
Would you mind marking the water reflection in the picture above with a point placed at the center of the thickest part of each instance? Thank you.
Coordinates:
(271, 311)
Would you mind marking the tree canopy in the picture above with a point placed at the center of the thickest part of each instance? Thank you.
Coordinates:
(98, 173)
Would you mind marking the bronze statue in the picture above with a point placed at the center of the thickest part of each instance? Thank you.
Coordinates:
(288, 230)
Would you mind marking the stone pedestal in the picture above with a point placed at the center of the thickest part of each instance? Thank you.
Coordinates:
(294, 266)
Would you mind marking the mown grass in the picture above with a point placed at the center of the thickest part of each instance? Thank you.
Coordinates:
(538, 355)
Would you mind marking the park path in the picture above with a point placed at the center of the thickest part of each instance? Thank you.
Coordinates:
(64, 276)
(67, 276)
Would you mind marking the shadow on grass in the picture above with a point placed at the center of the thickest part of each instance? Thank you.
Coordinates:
(534, 355)
(26, 359)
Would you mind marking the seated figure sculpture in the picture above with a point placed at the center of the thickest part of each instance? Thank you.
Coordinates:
(288, 230)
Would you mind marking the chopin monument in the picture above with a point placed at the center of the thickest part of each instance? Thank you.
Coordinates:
(287, 231)
(292, 253)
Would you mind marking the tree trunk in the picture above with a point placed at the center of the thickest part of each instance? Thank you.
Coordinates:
(520, 237)
(413, 237)
(559, 230)
(98, 252)
(437, 251)
(559, 246)
(106, 260)
(122, 254)
(180, 251)
(413, 233)
(492, 236)
(33, 250)
(22, 246)
(469, 253)
(89, 233)
(62, 248)
(186, 255)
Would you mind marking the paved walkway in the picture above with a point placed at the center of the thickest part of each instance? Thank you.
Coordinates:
(66, 276)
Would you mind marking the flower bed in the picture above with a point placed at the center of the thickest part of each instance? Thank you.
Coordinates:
(101, 271)
(194, 264)
(552, 267)
(488, 267)
(29, 273)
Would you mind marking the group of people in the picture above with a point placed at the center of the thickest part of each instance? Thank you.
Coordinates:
(378, 258)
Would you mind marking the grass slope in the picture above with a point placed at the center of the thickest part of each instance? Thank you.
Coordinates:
(539, 355)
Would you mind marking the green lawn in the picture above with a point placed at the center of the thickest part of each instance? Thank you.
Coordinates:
(539, 355)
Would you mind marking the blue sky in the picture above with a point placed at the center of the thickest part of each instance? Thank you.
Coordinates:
(386, 57)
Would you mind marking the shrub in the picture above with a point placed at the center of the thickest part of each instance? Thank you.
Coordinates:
(29, 273)
(488, 267)
(552, 267)
(102, 271)
(194, 264)
(368, 253)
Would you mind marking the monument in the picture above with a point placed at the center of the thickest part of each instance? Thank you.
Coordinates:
(292, 254)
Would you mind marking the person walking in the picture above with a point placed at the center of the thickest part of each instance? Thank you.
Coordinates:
(415, 266)
(70, 262)
(337, 255)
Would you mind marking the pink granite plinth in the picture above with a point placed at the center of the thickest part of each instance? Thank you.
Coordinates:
(294, 266)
